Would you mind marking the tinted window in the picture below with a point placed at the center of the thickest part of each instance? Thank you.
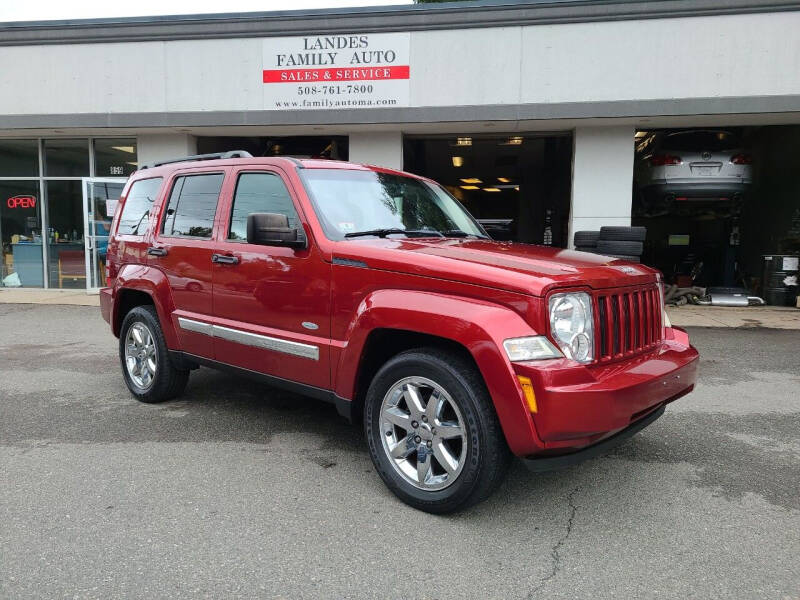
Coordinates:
(192, 205)
(114, 157)
(19, 158)
(135, 215)
(259, 193)
(698, 141)
(66, 158)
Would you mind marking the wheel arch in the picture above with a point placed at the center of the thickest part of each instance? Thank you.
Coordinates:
(388, 321)
(138, 286)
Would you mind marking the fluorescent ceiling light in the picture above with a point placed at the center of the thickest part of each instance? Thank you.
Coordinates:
(491, 189)
(128, 149)
(458, 161)
(503, 180)
(512, 141)
(471, 180)
(469, 187)
(464, 141)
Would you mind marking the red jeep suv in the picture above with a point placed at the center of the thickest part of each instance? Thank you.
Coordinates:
(377, 291)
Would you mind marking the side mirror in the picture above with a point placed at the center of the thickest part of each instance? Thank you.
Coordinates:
(272, 229)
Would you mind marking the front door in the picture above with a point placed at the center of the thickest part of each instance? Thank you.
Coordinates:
(100, 197)
(182, 248)
(272, 304)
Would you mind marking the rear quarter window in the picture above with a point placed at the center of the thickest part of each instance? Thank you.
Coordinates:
(138, 206)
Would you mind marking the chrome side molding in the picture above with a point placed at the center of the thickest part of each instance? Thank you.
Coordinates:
(254, 340)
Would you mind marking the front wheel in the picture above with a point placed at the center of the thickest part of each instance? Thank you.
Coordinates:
(432, 430)
(146, 366)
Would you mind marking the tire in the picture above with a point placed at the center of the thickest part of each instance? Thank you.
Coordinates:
(620, 247)
(634, 259)
(167, 382)
(623, 234)
(586, 238)
(480, 454)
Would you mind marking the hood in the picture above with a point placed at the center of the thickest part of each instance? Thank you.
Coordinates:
(509, 266)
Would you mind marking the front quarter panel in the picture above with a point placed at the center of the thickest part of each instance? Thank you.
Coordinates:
(477, 325)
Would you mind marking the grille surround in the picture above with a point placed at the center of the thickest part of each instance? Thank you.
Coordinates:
(627, 321)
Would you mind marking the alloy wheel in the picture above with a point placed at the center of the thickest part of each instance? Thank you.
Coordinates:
(423, 433)
(141, 359)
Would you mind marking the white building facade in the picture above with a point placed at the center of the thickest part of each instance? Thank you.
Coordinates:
(595, 72)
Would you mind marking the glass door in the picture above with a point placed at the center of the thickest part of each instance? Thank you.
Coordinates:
(100, 197)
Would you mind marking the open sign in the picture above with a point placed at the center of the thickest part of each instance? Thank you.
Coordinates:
(21, 202)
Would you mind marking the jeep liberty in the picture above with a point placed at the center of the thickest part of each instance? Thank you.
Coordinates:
(377, 291)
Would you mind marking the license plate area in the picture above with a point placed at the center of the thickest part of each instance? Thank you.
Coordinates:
(705, 170)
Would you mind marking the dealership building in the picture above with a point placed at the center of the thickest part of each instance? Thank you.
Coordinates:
(529, 112)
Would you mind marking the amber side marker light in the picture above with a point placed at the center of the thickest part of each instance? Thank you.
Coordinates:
(527, 389)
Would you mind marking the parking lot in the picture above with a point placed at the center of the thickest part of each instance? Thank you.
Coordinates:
(236, 490)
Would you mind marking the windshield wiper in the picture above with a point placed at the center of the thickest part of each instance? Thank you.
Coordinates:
(457, 233)
(382, 233)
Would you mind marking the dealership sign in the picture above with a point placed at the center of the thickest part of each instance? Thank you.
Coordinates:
(336, 71)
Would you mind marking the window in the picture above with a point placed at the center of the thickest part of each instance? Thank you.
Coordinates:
(135, 215)
(192, 205)
(66, 158)
(114, 157)
(19, 158)
(260, 193)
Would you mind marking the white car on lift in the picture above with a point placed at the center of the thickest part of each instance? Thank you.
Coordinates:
(691, 164)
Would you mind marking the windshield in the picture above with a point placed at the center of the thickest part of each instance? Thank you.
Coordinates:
(350, 203)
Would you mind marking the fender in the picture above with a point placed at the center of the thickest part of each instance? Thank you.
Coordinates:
(154, 283)
(477, 325)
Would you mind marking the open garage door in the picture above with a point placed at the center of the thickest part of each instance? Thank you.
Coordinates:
(716, 201)
(516, 185)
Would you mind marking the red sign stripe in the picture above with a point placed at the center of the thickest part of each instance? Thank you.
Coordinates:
(336, 74)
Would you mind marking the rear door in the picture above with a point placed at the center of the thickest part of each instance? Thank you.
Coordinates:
(272, 304)
(182, 249)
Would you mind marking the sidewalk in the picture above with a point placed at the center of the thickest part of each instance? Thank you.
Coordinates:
(772, 317)
(34, 296)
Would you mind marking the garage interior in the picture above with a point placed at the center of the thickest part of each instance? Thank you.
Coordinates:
(299, 146)
(723, 241)
(517, 185)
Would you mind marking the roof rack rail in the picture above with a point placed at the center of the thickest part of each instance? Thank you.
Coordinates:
(212, 156)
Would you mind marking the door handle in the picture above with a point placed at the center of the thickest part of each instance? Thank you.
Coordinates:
(154, 251)
(225, 259)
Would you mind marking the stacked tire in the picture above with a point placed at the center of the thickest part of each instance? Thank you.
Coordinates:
(626, 243)
(586, 241)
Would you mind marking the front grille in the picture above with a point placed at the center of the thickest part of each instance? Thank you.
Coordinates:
(627, 322)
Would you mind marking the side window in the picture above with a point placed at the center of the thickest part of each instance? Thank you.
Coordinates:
(192, 205)
(259, 193)
(135, 215)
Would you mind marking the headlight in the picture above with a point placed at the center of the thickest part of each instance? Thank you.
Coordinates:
(572, 326)
(530, 348)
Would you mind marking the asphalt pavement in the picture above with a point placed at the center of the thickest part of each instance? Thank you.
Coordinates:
(237, 490)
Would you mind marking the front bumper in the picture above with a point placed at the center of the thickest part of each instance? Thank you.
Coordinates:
(551, 463)
(579, 406)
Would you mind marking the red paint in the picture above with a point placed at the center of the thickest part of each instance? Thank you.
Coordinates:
(336, 74)
(475, 293)
(21, 202)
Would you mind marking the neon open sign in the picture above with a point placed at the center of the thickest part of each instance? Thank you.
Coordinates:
(21, 202)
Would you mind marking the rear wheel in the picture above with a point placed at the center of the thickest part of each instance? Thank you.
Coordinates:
(146, 366)
(433, 434)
